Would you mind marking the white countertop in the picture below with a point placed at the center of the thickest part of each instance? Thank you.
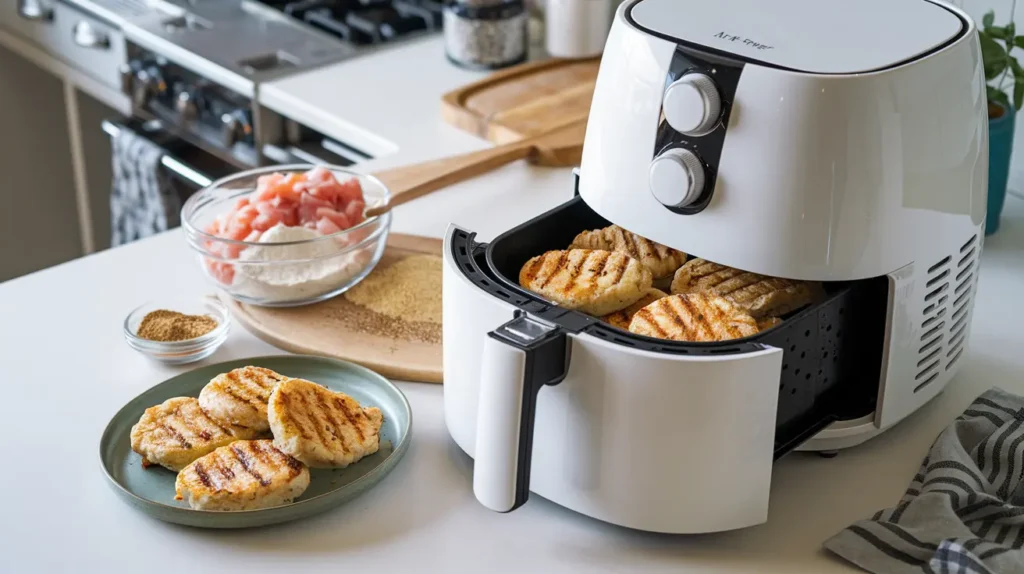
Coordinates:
(67, 370)
(387, 104)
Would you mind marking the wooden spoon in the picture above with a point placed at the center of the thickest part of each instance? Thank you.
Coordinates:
(562, 147)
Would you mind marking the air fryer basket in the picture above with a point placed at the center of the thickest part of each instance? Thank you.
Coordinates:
(832, 351)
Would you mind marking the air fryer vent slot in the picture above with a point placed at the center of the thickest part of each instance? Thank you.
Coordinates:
(933, 322)
(936, 292)
(928, 322)
(960, 316)
(931, 306)
(935, 267)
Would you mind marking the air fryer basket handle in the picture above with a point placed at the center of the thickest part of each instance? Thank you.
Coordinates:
(519, 358)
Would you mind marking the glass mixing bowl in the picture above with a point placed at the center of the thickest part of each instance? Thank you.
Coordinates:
(292, 272)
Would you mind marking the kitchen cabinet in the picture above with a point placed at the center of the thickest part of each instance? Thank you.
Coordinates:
(39, 218)
(55, 159)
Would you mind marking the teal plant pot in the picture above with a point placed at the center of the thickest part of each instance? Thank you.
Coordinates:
(1000, 147)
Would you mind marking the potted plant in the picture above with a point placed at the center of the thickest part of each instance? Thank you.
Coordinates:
(1002, 72)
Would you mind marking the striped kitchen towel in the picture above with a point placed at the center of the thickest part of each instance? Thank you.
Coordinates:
(964, 511)
(143, 199)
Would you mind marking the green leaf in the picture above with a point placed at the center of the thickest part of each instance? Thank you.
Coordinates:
(1018, 71)
(994, 57)
(999, 97)
(1019, 41)
(988, 19)
(995, 70)
(1018, 82)
(998, 32)
(1011, 31)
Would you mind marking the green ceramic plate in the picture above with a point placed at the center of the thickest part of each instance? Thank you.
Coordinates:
(152, 490)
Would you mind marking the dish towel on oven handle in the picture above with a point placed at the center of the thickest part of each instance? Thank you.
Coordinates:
(143, 199)
(964, 511)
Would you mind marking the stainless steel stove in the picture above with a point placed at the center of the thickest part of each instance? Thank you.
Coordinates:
(365, 22)
(194, 68)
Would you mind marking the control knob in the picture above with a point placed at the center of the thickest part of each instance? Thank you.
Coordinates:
(692, 105)
(677, 177)
(234, 126)
(186, 106)
(148, 83)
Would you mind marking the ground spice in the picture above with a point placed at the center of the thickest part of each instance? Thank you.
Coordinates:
(164, 325)
(408, 290)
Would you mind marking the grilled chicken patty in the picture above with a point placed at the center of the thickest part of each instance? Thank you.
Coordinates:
(239, 397)
(322, 428)
(592, 281)
(177, 432)
(660, 260)
(244, 475)
(693, 317)
(621, 319)
(759, 295)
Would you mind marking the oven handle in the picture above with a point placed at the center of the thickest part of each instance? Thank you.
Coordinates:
(519, 358)
(173, 165)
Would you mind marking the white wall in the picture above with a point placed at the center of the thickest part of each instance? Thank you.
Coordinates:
(1002, 8)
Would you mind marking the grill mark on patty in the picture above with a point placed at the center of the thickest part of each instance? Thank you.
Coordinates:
(201, 474)
(343, 406)
(185, 419)
(285, 399)
(575, 262)
(645, 248)
(696, 323)
(224, 468)
(675, 318)
(720, 319)
(334, 427)
(235, 389)
(294, 465)
(535, 264)
(247, 465)
(254, 392)
(308, 415)
(177, 435)
(619, 266)
(629, 243)
(648, 317)
(213, 422)
(563, 256)
(599, 264)
(261, 455)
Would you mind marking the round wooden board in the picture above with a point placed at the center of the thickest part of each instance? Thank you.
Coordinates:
(328, 328)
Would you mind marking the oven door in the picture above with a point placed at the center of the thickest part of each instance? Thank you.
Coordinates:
(147, 196)
(189, 166)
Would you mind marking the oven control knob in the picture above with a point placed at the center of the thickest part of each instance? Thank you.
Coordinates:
(148, 82)
(692, 105)
(229, 128)
(186, 105)
(677, 178)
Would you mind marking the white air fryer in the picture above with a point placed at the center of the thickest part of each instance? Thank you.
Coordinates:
(843, 141)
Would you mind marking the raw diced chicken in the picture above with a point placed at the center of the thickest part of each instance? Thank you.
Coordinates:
(339, 219)
(326, 227)
(315, 200)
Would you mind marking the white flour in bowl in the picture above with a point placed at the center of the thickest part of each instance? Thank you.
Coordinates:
(292, 281)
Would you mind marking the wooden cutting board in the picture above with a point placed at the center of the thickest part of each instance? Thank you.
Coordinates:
(337, 327)
(525, 100)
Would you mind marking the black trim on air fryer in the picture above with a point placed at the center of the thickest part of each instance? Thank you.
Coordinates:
(707, 147)
(722, 56)
(547, 362)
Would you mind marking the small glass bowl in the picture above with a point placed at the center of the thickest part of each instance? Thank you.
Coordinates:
(179, 352)
(280, 275)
